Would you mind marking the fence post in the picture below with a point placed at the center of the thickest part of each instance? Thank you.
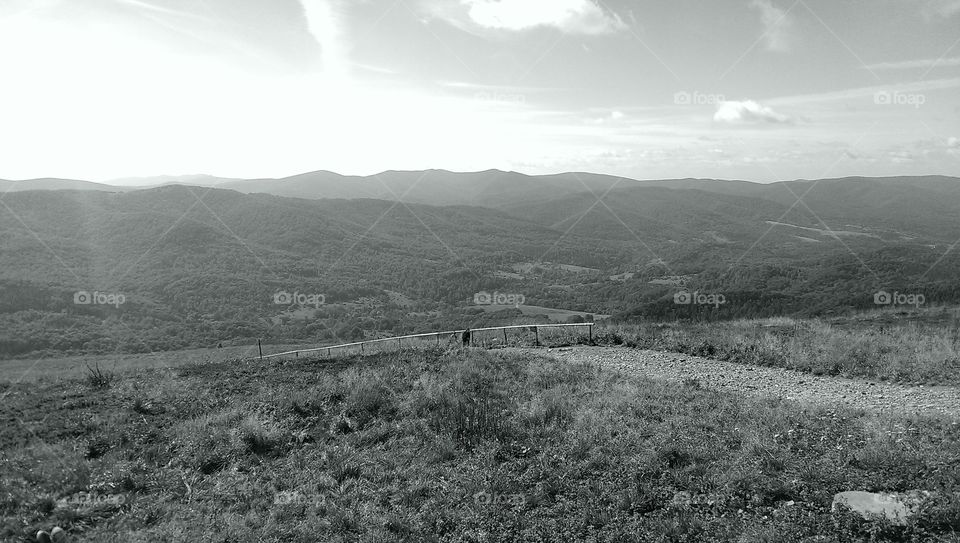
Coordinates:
(399, 344)
(536, 335)
(361, 348)
(260, 348)
(591, 333)
(504, 337)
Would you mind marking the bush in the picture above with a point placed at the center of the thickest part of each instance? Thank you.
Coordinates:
(99, 379)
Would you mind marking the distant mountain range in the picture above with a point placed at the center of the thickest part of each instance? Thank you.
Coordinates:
(201, 264)
(500, 189)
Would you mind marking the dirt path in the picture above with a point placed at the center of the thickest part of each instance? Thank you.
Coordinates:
(788, 384)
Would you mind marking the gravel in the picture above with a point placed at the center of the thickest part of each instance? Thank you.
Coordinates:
(770, 381)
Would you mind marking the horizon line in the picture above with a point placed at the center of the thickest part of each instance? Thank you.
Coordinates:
(150, 181)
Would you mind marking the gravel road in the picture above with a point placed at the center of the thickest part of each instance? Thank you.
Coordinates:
(788, 384)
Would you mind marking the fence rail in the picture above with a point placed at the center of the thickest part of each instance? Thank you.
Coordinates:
(399, 339)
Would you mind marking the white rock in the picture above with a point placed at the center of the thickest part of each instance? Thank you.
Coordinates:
(897, 508)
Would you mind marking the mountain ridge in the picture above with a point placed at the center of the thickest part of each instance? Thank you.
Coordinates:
(487, 188)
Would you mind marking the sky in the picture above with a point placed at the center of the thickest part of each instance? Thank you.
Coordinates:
(760, 90)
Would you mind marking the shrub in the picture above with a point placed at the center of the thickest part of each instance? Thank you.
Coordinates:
(98, 378)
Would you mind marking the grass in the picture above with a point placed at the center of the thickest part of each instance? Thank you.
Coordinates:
(898, 350)
(451, 446)
(913, 347)
(98, 378)
(51, 369)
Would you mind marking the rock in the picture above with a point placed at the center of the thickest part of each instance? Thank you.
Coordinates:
(43, 537)
(58, 535)
(897, 508)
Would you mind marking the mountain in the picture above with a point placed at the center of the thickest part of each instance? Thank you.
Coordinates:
(491, 188)
(893, 201)
(196, 267)
(879, 210)
(57, 184)
(199, 180)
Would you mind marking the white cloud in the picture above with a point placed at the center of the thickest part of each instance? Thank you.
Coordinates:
(324, 20)
(748, 111)
(866, 92)
(611, 117)
(570, 16)
(777, 25)
(915, 64)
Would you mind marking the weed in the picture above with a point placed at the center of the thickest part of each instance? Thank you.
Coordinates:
(99, 379)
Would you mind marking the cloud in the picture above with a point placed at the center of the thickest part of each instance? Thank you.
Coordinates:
(569, 16)
(777, 25)
(866, 92)
(748, 112)
(324, 21)
(915, 64)
(936, 9)
(608, 117)
(164, 10)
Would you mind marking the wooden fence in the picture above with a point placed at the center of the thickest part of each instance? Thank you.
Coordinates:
(399, 339)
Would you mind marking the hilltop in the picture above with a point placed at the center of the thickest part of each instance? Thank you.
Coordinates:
(451, 446)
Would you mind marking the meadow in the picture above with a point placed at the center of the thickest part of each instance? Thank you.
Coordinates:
(450, 445)
(915, 347)
(910, 347)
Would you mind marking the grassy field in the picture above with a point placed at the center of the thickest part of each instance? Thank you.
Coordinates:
(71, 367)
(458, 445)
(916, 347)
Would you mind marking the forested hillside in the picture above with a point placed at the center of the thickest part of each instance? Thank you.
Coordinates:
(198, 266)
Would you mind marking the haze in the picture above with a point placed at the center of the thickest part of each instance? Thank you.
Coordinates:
(758, 90)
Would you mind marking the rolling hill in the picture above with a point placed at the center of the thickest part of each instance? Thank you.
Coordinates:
(56, 184)
(200, 265)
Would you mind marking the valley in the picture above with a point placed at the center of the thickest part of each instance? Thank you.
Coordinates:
(199, 265)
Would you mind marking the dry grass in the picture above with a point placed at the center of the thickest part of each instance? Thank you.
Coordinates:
(450, 446)
(908, 352)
